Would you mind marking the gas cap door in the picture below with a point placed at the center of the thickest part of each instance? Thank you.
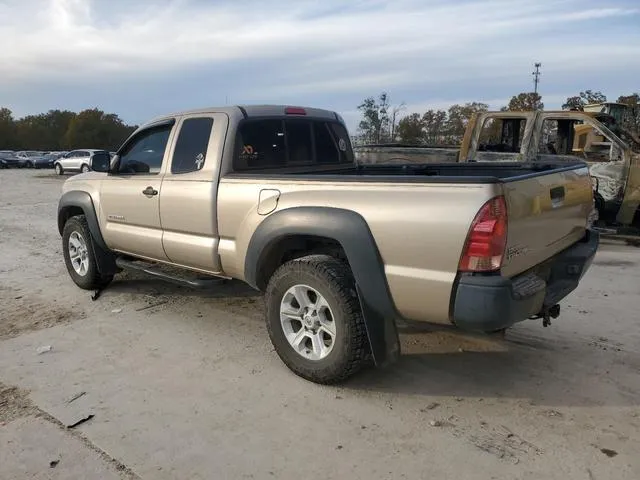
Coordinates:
(268, 201)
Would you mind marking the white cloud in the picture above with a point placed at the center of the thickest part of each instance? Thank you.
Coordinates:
(334, 48)
(65, 33)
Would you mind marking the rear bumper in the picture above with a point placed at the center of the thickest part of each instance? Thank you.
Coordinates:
(490, 303)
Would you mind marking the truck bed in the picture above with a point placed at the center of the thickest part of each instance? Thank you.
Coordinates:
(477, 172)
(548, 204)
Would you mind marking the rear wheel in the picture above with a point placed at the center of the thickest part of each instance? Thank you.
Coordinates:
(79, 256)
(85, 168)
(58, 169)
(29, 164)
(314, 319)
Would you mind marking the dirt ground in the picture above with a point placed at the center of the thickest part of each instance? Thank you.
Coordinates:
(155, 381)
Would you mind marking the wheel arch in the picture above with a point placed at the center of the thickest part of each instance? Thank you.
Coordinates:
(285, 234)
(80, 203)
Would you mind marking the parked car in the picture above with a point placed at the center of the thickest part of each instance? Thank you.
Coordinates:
(28, 158)
(271, 195)
(8, 159)
(76, 161)
(45, 161)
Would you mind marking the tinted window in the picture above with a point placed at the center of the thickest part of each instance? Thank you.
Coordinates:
(298, 135)
(274, 143)
(191, 148)
(260, 144)
(326, 146)
(145, 152)
(344, 143)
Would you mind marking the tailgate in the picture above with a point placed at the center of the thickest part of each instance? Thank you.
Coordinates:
(547, 212)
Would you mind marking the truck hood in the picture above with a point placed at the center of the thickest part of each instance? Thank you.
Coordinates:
(75, 182)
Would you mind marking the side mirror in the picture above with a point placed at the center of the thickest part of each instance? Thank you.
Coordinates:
(101, 162)
(114, 165)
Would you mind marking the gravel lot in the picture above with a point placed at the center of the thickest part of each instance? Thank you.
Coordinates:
(183, 384)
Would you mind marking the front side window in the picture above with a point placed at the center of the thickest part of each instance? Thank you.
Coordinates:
(145, 152)
(190, 153)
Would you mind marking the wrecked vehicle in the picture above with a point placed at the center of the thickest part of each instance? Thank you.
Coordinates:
(271, 195)
(551, 136)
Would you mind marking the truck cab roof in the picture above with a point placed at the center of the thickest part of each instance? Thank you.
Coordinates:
(248, 111)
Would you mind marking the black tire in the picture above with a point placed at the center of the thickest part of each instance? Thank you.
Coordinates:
(92, 279)
(58, 168)
(85, 168)
(29, 165)
(334, 281)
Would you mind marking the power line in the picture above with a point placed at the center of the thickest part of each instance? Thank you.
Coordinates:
(536, 76)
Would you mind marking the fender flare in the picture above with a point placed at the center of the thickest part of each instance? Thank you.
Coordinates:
(105, 259)
(351, 231)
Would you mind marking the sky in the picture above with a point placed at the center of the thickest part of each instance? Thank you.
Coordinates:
(145, 58)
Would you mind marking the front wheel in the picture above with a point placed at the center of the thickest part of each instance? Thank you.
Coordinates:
(58, 168)
(85, 168)
(314, 319)
(79, 256)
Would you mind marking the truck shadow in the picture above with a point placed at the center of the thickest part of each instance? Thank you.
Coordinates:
(542, 371)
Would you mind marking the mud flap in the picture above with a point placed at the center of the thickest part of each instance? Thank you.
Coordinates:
(381, 332)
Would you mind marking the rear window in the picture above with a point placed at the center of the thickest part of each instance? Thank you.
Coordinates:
(272, 143)
(502, 135)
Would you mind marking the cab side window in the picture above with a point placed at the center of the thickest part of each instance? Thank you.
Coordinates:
(144, 154)
(190, 153)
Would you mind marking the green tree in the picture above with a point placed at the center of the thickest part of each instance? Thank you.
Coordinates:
(411, 129)
(7, 129)
(44, 131)
(630, 124)
(578, 102)
(631, 118)
(435, 122)
(95, 129)
(458, 117)
(374, 126)
(526, 101)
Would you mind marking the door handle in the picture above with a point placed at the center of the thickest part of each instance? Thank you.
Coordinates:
(557, 196)
(150, 191)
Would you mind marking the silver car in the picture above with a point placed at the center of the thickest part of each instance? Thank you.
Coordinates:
(76, 161)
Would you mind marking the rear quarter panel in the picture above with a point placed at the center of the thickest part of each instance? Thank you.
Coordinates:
(419, 230)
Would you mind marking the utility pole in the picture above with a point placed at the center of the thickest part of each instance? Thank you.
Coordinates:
(536, 76)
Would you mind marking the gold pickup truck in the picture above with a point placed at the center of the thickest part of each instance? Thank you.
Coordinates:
(272, 196)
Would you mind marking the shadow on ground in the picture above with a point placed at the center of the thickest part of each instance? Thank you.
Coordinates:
(558, 373)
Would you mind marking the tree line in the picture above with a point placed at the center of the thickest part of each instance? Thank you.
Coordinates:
(381, 122)
(62, 130)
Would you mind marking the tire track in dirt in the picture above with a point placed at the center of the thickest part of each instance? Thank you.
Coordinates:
(22, 313)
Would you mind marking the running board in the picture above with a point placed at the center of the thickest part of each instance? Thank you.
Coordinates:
(154, 271)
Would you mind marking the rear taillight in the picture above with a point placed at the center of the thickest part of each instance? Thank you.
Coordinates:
(487, 238)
